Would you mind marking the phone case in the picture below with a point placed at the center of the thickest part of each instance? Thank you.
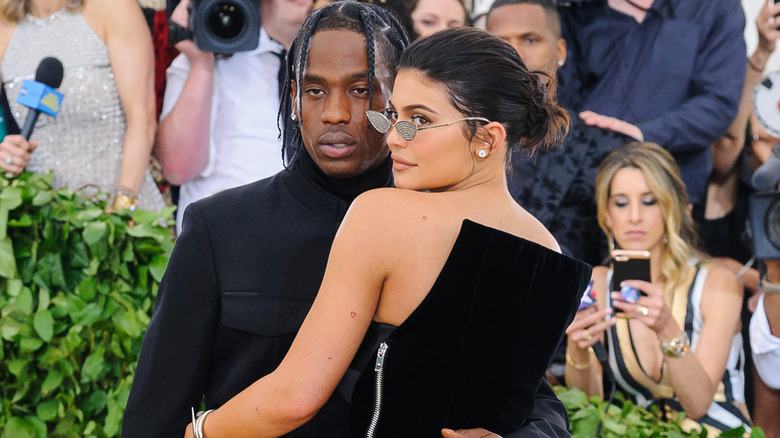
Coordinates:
(629, 265)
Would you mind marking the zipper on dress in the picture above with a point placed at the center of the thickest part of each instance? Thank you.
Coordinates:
(379, 370)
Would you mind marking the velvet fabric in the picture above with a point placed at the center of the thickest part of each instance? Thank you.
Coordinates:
(474, 351)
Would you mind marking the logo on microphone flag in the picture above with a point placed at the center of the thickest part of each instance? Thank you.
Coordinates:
(41, 97)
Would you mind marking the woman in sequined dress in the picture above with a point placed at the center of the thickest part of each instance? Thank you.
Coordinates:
(102, 136)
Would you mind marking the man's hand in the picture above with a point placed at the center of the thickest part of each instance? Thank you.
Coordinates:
(468, 433)
(181, 16)
(605, 122)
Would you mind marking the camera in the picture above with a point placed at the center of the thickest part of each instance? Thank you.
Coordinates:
(225, 26)
(765, 224)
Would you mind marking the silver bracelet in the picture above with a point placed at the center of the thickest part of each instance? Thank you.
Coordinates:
(769, 287)
(197, 422)
(746, 267)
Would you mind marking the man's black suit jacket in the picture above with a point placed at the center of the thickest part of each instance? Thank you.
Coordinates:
(241, 279)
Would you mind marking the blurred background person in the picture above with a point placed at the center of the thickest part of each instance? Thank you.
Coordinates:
(218, 125)
(431, 16)
(663, 71)
(557, 184)
(102, 136)
(690, 309)
(724, 219)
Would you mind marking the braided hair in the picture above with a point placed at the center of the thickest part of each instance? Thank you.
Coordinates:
(382, 32)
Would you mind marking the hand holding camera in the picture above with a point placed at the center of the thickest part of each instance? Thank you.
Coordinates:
(222, 27)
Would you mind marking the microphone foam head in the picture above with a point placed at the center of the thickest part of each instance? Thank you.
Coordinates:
(49, 72)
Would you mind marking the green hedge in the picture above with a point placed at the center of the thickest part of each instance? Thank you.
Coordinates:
(77, 288)
(625, 419)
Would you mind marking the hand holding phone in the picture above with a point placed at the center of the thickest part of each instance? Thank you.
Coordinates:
(629, 265)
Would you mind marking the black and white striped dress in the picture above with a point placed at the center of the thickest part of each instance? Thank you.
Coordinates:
(728, 406)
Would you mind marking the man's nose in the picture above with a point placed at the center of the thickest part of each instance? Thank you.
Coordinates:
(336, 109)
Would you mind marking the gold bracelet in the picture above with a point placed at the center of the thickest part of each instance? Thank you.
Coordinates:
(125, 202)
(677, 346)
(578, 366)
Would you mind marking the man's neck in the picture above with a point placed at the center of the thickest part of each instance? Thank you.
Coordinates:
(278, 23)
(634, 8)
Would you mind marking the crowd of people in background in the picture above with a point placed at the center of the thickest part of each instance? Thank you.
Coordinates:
(659, 155)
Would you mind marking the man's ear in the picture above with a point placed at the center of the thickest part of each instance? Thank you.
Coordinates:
(560, 49)
(296, 104)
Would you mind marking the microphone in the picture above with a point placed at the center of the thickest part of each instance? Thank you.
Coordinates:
(767, 175)
(41, 95)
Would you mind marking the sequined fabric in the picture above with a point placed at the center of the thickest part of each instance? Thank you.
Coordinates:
(83, 144)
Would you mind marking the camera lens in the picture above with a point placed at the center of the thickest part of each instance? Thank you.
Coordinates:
(226, 20)
(772, 223)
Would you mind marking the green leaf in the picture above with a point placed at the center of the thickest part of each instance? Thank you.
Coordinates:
(94, 365)
(43, 197)
(30, 344)
(145, 217)
(51, 382)
(20, 428)
(7, 260)
(43, 323)
(94, 403)
(573, 398)
(10, 198)
(89, 214)
(24, 301)
(16, 366)
(95, 232)
(47, 411)
(158, 266)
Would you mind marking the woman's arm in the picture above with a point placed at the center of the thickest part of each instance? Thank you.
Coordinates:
(123, 28)
(726, 149)
(328, 339)
(695, 375)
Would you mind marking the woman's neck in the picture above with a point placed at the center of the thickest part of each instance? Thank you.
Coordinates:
(45, 8)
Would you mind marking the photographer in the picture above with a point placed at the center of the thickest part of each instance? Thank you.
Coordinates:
(218, 124)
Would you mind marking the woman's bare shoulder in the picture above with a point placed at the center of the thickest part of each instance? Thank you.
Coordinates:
(535, 231)
(722, 281)
(6, 32)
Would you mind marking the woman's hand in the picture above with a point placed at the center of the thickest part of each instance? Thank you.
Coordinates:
(767, 27)
(650, 309)
(188, 432)
(15, 153)
(468, 433)
(589, 325)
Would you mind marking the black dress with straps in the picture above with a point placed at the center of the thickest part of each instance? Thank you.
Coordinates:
(474, 351)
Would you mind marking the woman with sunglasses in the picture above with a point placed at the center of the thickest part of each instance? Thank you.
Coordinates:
(448, 295)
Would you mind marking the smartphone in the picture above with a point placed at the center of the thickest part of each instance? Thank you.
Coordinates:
(629, 265)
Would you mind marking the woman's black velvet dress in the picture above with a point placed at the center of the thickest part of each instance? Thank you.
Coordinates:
(474, 351)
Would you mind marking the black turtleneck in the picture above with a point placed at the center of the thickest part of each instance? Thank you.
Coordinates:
(240, 281)
(346, 189)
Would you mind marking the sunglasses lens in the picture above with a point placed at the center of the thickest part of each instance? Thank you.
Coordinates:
(378, 121)
(407, 130)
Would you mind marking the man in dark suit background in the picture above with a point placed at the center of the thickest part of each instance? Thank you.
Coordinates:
(558, 185)
(250, 260)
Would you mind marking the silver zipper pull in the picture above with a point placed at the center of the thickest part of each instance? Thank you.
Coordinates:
(380, 357)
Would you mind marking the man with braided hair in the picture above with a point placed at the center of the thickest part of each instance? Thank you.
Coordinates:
(250, 260)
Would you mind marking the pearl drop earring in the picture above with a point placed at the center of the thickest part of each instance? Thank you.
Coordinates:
(293, 116)
(482, 153)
